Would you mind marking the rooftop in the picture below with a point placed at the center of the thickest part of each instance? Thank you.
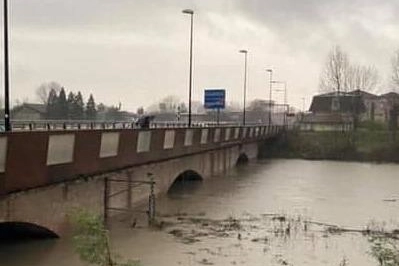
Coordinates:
(37, 107)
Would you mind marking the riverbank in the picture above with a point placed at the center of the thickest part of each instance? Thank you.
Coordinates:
(362, 145)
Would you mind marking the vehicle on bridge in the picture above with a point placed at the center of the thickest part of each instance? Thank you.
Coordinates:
(145, 121)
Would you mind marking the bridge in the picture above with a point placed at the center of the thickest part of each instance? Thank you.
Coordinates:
(45, 174)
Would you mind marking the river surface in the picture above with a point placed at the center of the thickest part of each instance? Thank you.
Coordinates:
(271, 212)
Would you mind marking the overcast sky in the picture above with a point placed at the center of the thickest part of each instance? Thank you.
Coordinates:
(137, 51)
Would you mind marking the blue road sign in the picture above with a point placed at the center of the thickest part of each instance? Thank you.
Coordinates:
(214, 98)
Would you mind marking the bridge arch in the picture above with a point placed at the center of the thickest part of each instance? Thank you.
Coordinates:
(242, 159)
(184, 178)
(24, 230)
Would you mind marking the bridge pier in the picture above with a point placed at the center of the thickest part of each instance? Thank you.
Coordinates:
(50, 206)
(205, 164)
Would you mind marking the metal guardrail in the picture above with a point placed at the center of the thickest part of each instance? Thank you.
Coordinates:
(49, 125)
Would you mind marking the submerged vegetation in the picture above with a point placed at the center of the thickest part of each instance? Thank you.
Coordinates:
(92, 244)
(272, 231)
(385, 250)
(91, 241)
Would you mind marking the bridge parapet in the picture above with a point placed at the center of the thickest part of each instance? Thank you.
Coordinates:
(34, 159)
(54, 125)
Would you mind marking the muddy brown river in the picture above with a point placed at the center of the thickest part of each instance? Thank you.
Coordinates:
(271, 212)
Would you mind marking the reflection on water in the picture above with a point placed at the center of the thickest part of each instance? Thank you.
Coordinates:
(267, 213)
(183, 190)
(41, 252)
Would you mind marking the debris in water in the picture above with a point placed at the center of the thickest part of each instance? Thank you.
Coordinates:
(176, 233)
(390, 200)
(279, 218)
(205, 262)
(260, 239)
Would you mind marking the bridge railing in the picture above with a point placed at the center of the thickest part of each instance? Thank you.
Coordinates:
(30, 159)
(51, 125)
(47, 125)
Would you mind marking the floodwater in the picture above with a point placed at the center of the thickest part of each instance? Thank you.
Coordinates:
(271, 212)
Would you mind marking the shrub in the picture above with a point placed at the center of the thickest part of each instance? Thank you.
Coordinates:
(91, 240)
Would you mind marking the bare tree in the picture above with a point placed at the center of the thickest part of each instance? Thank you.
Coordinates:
(340, 74)
(362, 78)
(168, 104)
(42, 92)
(395, 69)
(370, 78)
(334, 75)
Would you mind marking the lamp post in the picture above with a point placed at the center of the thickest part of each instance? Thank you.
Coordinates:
(245, 52)
(270, 94)
(7, 124)
(191, 13)
(285, 98)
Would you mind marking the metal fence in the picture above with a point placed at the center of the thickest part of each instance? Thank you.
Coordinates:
(48, 125)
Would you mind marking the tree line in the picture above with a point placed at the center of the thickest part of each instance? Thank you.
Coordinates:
(71, 107)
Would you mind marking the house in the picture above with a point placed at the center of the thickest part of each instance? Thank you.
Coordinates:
(358, 104)
(29, 111)
(334, 102)
(326, 122)
(386, 103)
(371, 103)
(334, 111)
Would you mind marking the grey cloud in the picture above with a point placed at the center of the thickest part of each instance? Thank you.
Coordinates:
(140, 47)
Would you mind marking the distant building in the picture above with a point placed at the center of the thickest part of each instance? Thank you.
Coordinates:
(386, 103)
(334, 111)
(29, 111)
(371, 103)
(344, 107)
(258, 111)
(334, 102)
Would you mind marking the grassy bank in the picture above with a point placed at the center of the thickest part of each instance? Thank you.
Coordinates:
(362, 145)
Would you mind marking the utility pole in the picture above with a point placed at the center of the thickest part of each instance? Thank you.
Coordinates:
(286, 109)
(245, 52)
(191, 13)
(7, 124)
(270, 94)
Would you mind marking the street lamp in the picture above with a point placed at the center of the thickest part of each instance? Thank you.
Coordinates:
(7, 125)
(270, 94)
(191, 13)
(245, 52)
(285, 97)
